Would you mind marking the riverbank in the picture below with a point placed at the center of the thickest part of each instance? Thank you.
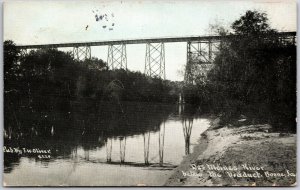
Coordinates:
(249, 155)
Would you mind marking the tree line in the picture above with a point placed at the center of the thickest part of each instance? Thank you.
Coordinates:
(48, 73)
(48, 90)
(254, 74)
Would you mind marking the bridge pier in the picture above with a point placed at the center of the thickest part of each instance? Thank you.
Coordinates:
(87, 155)
(161, 143)
(117, 58)
(155, 60)
(146, 136)
(122, 148)
(82, 52)
(108, 145)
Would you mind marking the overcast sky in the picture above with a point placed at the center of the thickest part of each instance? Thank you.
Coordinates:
(40, 22)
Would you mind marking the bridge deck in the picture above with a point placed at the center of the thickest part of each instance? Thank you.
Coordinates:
(141, 41)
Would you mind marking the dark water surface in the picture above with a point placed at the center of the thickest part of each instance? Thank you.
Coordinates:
(108, 144)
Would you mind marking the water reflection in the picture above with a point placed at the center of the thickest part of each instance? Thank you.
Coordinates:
(187, 125)
(149, 139)
(74, 154)
(146, 137)
(87, 154)
(108, 145)
(122, 148)
(99, 133)
(187, 115)
(161, 141)
(180, 109)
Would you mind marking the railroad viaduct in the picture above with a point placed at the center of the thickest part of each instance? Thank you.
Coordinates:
(200, 50)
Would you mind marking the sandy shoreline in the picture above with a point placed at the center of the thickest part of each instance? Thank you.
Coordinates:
(261, 158)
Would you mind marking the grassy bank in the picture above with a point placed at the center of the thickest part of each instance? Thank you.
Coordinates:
(272, 154)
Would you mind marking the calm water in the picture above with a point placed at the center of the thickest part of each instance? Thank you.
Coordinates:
(139, 145)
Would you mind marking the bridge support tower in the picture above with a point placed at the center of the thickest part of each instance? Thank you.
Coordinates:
(155, 60)
(117, 57)
(161, 142)
(200, 58)
(82, 52)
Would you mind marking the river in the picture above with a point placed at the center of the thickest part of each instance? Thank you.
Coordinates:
(130, 145)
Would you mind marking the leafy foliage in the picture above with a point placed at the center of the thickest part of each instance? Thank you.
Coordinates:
(253, 22)
(45, 86)
(254, 72)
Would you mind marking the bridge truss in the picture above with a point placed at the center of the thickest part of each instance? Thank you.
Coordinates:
(155, 60)
(201, 51)
(200, 58)
(82, 53)
(117, 58)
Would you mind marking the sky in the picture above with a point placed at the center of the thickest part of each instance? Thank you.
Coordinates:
(43, 22)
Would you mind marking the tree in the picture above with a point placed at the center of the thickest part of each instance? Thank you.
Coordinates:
(11, 65)
(255, 69)
(253, 23)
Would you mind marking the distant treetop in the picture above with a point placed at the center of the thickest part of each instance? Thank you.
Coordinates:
(253, 22)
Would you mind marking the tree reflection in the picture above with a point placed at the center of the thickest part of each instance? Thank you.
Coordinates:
(87, 127)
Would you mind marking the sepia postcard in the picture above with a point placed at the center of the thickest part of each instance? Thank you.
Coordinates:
(149, 93)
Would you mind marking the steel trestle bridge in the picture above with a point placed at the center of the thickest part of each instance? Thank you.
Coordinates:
(201, 50)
